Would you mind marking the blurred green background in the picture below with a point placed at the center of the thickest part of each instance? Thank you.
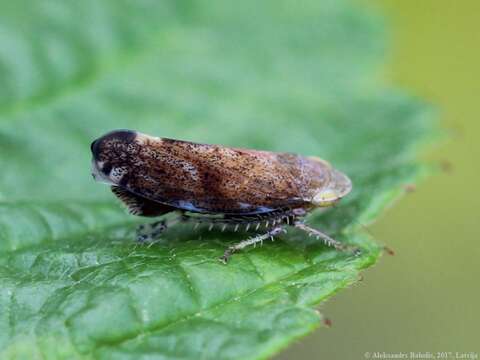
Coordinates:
(426, 298)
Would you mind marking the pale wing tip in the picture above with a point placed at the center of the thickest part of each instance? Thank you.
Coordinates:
(342, 182)
(338, 187)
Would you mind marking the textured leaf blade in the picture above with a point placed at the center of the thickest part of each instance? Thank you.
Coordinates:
(263, 75)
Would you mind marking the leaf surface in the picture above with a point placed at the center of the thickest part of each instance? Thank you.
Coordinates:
(269, 75)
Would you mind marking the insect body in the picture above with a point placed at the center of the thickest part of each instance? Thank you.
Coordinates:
(255, 190)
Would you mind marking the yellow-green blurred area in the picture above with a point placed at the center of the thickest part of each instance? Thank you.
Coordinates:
(426, 297)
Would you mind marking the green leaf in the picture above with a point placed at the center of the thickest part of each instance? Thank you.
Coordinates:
(271, 75)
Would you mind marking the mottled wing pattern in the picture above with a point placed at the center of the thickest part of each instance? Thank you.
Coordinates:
(212, 178)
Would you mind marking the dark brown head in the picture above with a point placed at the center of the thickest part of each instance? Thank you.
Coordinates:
(112, 155)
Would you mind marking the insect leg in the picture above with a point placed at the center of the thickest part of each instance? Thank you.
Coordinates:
(326, 239)
(318, 234)
(147, 233)
(243, 244)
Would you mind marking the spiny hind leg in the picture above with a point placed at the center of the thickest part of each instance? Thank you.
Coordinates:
(252, 241)
(230, 224)
(149, 233)
(326, 239)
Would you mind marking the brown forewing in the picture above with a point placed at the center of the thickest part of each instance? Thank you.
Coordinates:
(212, 178)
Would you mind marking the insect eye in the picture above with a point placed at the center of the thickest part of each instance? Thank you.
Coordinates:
(106, 168)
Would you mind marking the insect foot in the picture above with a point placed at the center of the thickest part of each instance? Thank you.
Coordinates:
(356, 251)
(253, 241)
(148, 233)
